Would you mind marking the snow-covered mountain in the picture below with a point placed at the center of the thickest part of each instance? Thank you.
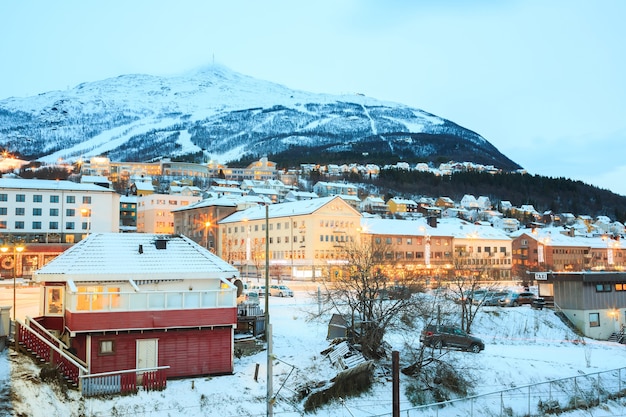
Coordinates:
(222, 115)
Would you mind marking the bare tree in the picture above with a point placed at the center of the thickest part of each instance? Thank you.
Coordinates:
(468, 278)
(370, 299)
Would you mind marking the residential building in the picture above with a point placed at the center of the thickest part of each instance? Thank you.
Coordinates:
(306, 238)
(47, 211)
(401, 206)
(325, 189)
(154, 211)
(373, 205)
(199, 221)
(556, 249)
(128, 213)
(595, 302)
(125, 304)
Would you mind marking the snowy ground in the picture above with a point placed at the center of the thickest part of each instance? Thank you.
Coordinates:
(523, 346)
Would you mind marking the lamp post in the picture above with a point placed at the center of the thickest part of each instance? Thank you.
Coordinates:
(16, 249)
(87, 213)
(207, 224)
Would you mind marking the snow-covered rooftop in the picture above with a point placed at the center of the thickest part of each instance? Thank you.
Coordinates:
(294, 208)
(121, 256)
(60, 185)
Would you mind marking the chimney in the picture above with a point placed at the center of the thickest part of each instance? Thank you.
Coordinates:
(140, 249)
(432, 222)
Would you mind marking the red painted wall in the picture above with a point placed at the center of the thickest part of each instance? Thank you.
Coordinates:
(153, 319)
(189, 353)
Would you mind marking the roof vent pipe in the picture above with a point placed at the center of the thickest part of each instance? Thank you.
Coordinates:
(140, 249)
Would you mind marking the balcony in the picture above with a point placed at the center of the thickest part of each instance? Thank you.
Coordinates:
(153, 300)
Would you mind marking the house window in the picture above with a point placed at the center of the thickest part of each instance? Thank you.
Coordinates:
(70, 212)
(3, 211)
(70, 199)
(37, 198)
(36, 212)
(54, 301)
(36, 225)
(4, 197)
(54, 212)
(603, 287)
(54, 225)
(3, 224)
(620, 287)
(20, 211)
(20, 198)
(54, 198)
(594, 319)
(69, 225)
(19, 225)
(86, 200)
(106, 347)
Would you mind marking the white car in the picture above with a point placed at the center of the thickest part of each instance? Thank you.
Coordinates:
(280, 291)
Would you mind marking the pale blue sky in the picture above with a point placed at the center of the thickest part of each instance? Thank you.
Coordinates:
(544, 81)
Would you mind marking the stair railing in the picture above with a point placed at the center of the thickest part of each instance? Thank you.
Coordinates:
(71, 367)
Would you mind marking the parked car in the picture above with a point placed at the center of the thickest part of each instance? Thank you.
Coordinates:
(395, 292)
(515, 299)
(247, 295)
(280, 291)
(493, 298)
(260, 289)
(538, 303)
(440, 336)
(469, 296)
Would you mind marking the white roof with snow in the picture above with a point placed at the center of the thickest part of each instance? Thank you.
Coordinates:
(60, 185)
(294, 208)
(117, 256)
(453, 227)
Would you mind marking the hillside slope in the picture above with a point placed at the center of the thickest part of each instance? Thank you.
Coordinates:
(215, 113)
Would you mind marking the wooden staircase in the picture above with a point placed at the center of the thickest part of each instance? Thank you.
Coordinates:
(51, 353)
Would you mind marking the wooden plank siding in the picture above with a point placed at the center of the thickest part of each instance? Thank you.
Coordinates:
(191, 352)
(577, 291)
(153, 319)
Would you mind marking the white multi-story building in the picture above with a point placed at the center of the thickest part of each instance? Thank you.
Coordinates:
(55, 211)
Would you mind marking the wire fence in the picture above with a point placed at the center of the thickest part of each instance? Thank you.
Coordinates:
(540, 399)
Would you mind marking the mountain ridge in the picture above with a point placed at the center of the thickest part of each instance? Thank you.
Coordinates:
(224, 115)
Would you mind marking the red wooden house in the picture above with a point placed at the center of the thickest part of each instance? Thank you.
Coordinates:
(134, 302)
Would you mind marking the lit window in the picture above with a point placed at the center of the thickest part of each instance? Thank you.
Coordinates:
(594, 319)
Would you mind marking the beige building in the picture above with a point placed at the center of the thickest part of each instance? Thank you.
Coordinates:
(306, 238)
(154, 211)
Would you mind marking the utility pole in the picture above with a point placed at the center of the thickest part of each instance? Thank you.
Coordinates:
(268, 328)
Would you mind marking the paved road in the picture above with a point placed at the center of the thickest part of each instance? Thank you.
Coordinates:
(26, 298)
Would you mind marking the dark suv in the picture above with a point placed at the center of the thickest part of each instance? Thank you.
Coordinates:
(439, 336)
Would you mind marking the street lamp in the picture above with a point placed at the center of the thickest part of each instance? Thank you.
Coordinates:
(207, 224)
(87, 213)
(16, 249)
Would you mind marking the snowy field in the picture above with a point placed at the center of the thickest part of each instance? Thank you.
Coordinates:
(523, 346)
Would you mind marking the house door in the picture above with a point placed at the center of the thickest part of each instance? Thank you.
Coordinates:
(147, 353)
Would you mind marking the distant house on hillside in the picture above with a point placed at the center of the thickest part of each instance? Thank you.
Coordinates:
(373, 205)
